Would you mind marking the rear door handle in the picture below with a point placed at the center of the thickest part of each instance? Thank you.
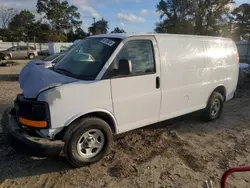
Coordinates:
(158, 82)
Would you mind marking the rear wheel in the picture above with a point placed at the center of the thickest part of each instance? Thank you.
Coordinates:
(31, 56)
(6, 57)
(214, 107)
(87, 141)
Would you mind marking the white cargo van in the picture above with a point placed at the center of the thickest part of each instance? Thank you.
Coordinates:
(110, 84)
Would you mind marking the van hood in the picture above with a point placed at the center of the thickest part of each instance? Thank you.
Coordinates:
(36, 62)
(34, 79)
(40, 62)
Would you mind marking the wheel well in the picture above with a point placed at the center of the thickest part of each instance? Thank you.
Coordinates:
(221, 90)
(106, 117)
(102, 115)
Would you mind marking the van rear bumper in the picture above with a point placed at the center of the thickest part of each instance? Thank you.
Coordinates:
(23, 142)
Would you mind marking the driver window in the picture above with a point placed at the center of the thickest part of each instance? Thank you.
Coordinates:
(140, 53)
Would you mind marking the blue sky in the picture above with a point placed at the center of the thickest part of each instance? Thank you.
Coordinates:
(131, 15)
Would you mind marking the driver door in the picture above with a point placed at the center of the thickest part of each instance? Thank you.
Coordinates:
(136, 97)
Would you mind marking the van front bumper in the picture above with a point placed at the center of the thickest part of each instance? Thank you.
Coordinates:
(23, 142)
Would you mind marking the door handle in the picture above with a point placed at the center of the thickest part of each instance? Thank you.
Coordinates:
(158, 82)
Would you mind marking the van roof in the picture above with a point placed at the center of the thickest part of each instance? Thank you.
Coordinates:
(125, 35)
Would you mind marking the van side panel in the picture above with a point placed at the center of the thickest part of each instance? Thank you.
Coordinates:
(222, 65)
(189, 67)
(70, 101)
(184, 75)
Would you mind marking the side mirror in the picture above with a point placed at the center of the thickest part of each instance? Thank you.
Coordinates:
(124, 67)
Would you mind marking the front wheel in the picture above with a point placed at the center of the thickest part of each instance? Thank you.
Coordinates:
(7, 57)
(214, 107)
(31, 56)
(87, 141)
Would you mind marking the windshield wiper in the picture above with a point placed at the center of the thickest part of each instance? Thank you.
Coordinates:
(64, 70)
(60, 70)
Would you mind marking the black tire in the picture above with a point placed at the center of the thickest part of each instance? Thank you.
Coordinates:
(31, 56)
(7, 57)
(208, 113)
(75, 132)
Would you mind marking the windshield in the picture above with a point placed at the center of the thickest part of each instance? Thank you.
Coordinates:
(58, 59)
(87, 58)
(72, 46)
(12, 49)
(52, 57)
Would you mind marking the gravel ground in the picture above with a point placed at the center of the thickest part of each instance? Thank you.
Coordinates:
(15, 70)
(12, 70)
(182, 152)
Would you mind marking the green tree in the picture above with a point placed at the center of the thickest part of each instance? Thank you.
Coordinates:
(21, 24)
(200, 17)
(45, 31)
(80, 34)
(118, 30)
(100, 27)
(62, 15)
(70, 36)
(39, 32)
(211, 16)
(77, 34)
(5, 34)
(176, 14)
(242, 22)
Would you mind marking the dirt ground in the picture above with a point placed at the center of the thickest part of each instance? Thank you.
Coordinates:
(182, 152)
(15, 70)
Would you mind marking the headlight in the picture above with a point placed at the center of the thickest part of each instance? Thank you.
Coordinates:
(32, 113)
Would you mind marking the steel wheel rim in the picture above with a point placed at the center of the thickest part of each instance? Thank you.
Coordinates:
(90, 143)
(215, 107)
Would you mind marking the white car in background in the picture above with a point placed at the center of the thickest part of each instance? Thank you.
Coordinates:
(49, 61)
